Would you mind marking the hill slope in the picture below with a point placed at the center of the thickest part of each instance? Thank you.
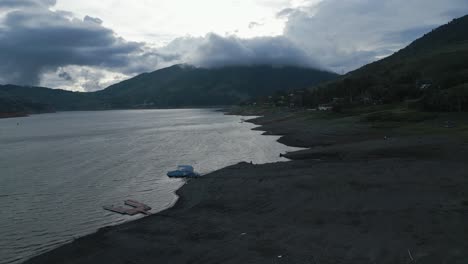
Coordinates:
(176, 86)
(182, 85)
(39, 99)
(434, 67)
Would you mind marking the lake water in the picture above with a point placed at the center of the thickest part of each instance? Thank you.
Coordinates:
(58, 170)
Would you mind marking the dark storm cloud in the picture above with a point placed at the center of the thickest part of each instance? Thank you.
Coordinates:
(348, 34)
(334, 34)
(216, 51)
(37, 43)
(33, 40)
(25, 3)
(219, 51)
(92, 20)
(65, 75)
(406, 35)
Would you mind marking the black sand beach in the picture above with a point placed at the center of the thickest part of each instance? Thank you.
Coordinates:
(362, 193)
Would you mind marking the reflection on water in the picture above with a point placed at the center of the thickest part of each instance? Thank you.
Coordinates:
(58, 170)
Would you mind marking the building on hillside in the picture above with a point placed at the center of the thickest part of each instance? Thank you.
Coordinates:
(296, 99)
(325, 107)
(338, 100)
(424, 84)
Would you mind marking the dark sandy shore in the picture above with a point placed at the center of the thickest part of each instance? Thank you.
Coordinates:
(12, 115)
(361, 194)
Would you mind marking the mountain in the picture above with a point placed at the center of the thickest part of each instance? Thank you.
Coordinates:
(176, 86)
(14, 99)
(433, 69)
(183, 85)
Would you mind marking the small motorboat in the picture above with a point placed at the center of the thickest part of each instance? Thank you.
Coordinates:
(183, 171)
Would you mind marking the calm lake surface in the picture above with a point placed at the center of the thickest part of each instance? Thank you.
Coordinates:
(58, 170)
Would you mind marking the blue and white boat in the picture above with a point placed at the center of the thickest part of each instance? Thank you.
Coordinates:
(183, 171)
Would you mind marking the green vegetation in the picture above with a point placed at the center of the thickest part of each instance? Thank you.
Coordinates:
(176, 86)
(182, 86)
(398, 115)
(432, 73)
(39, 100)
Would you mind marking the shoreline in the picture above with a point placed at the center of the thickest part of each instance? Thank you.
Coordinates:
(13, 115)
(221, 109)
(304, 210)
(28, 114)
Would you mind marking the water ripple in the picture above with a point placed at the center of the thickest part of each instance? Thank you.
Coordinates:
(58, 170)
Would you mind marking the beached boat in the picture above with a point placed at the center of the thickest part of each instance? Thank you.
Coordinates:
(183, 171)
(137, 208)
(136, 204)
(125, 211)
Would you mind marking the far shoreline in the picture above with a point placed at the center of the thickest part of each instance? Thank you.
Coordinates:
(28, 114)
(13, 115)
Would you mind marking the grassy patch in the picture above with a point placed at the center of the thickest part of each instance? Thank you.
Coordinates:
(322, 115)
(437, 126)
(397, 116)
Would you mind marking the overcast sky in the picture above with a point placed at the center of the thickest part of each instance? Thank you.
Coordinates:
(87, 45)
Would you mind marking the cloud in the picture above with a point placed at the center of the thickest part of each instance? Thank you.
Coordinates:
(214, 51)
(54, 48)
(285, 13)
(331, 34)
(82, 78)
(254, 25)
(34, 40)
(344, 35)
(64, 75)
(38, 43)
(92, 20)
(26, 3)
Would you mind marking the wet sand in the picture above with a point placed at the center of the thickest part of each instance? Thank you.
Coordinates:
(12, 115)
(358, 195)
